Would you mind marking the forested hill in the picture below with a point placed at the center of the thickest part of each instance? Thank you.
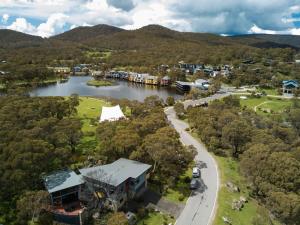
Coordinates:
(10, 38)
(269, 40)
(83, 34)
(105, 36)
(151, 36)
(148, 46)
(109, 36)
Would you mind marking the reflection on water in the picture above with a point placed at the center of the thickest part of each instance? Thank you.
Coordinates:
(123, 89)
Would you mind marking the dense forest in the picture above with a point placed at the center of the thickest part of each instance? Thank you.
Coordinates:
(38, 136)
(41, 135)
(267, 149)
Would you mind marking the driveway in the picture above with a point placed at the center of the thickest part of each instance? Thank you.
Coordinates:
(154, 200)
(201, 205)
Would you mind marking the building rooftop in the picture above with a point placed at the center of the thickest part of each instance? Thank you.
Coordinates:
(184, 83)
(166, 78)
(117, 172)
(290, 82)
(61, 180)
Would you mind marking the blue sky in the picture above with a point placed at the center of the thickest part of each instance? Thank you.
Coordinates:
(49, 17)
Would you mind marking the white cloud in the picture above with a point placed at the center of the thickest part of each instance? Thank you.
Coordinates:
(256, 30)
(54, 24)
(5, 18)
(295, 31)
(22, 25)
(216, 16)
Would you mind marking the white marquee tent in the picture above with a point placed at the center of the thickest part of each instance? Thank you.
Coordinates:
(111, 113)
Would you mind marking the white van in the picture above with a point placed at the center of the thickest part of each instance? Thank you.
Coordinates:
(196, 172)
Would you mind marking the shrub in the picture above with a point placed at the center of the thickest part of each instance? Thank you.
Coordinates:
(90, 133)
(170, 101)
(181, 197)
(141, 212)
(187, 179)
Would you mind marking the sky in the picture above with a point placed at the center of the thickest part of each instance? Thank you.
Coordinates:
(227, 17)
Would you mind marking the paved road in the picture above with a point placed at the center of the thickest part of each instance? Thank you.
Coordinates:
(208, 99)
(201, 205)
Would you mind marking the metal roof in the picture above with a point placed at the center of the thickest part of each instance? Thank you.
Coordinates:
(61, 180)
(290, 82)
(117, 172)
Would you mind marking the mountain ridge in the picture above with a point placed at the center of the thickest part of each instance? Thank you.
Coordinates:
(106, 36)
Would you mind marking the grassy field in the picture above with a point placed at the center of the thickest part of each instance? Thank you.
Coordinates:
(98, 54)
(100, 83)
(156, 218)
(268, 91)
(89, 111)
(229, 171)
(266, 105)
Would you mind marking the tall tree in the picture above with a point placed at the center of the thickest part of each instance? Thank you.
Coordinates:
(236, 134)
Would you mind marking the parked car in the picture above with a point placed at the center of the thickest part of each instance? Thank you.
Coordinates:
(194, 184)
(196, 172)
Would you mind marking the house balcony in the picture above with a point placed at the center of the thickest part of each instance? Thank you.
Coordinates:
(71, 213)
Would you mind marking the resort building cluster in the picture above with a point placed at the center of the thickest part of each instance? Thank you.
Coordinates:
(288, 86)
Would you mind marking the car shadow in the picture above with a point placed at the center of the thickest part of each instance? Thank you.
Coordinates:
(201, 187)
(201, 164)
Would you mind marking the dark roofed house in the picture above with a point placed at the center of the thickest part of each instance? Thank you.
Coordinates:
(120, 181)
(64, 188)
(111, 185)
(289, 86)
(184, 86)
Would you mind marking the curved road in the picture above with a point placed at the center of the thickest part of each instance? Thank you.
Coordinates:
(201, 205)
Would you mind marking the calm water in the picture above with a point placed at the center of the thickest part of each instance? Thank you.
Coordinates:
(124, 89)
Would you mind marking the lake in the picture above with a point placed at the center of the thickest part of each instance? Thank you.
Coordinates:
(123, 89)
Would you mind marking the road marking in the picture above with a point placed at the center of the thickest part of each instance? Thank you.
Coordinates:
(213, 212)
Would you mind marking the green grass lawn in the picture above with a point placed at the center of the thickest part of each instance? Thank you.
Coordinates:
(156, 218)
(98, 54)
(267, 104)
(48, 81)
(269, 91)
(89, 111)
(229, 171)
(100, 83)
